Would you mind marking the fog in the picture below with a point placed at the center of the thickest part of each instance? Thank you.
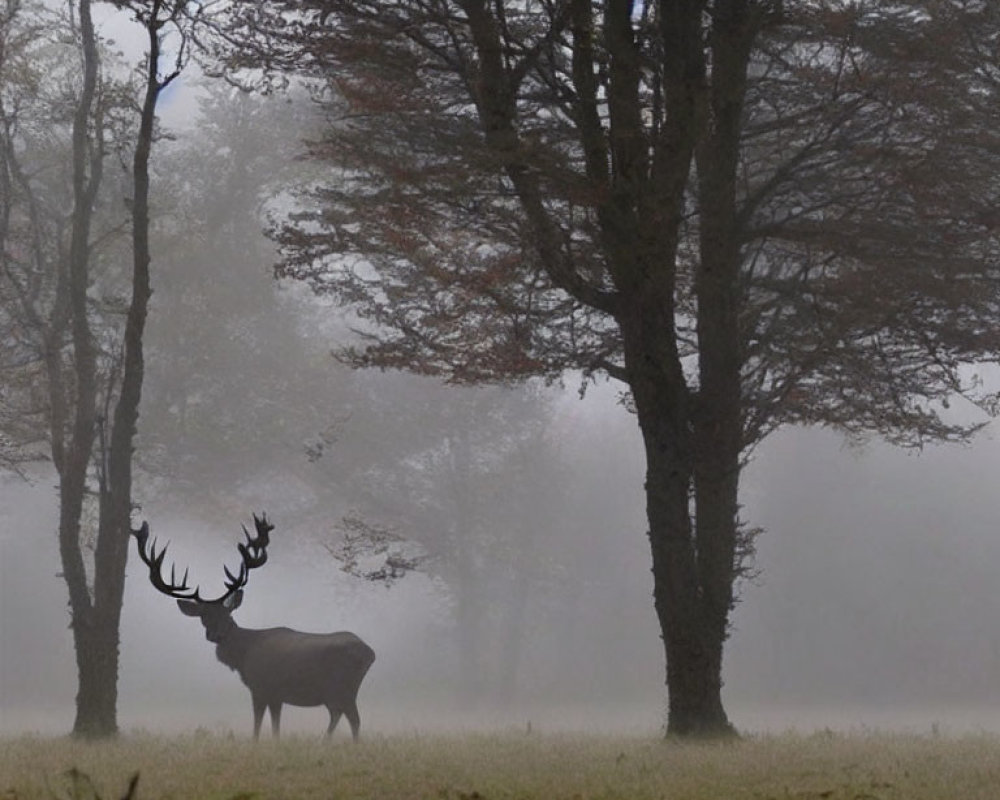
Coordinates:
(874, 602)
(874, 606)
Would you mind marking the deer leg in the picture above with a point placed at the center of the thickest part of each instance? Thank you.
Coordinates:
(258, 715)
(351, 712)
(275, 709)
(334, 719)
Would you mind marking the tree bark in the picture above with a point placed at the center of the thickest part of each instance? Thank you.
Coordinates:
(692, 555)
(96, 643)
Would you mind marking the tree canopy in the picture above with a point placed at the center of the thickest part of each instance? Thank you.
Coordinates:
(733, 207)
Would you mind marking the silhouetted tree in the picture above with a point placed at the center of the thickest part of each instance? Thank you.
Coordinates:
(92, 380)
(720, 203)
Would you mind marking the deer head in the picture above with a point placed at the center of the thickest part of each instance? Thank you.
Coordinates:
(215, 614)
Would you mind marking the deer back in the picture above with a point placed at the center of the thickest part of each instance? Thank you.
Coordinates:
(281, 664)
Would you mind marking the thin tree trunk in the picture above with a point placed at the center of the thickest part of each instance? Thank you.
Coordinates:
(469, 613)
(116, 486)
(511, 643)
(97, 641)
(90, 720)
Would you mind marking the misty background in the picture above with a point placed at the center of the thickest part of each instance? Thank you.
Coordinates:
(874, 603)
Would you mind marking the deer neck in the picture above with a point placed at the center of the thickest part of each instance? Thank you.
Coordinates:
(232, 648)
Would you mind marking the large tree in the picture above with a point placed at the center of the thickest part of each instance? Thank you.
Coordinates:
(728, 205)
(64, 115)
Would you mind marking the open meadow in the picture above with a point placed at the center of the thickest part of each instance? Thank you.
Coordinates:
(824, 766)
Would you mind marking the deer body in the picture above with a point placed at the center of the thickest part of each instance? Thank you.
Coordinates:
(301, 669)
(277, 665)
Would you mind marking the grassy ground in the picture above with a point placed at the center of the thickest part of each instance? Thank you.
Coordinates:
(492, 766)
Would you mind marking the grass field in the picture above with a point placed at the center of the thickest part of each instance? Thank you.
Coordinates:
(862, 766)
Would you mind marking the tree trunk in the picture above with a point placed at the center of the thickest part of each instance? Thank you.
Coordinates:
(692, 589)
(469, 609)
(92, 655)
(96, 639)
(692, 471)
(694, 438)
(96, 620)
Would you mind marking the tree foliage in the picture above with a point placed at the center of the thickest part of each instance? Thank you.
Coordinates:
(420, 228)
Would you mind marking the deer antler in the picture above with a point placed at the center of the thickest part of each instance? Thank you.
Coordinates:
(154, 560)
(253, 554)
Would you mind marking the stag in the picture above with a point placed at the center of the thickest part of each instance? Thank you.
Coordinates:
(277, 665)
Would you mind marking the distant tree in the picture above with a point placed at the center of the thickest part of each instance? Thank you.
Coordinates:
(228, 365)
(92, 378)
(715, 202)
(360, 461)
(461, 485)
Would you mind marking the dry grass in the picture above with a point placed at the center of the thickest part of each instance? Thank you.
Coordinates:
(492, 766)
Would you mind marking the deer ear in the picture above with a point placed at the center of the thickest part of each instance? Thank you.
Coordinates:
(190, 607)
(232, 602)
